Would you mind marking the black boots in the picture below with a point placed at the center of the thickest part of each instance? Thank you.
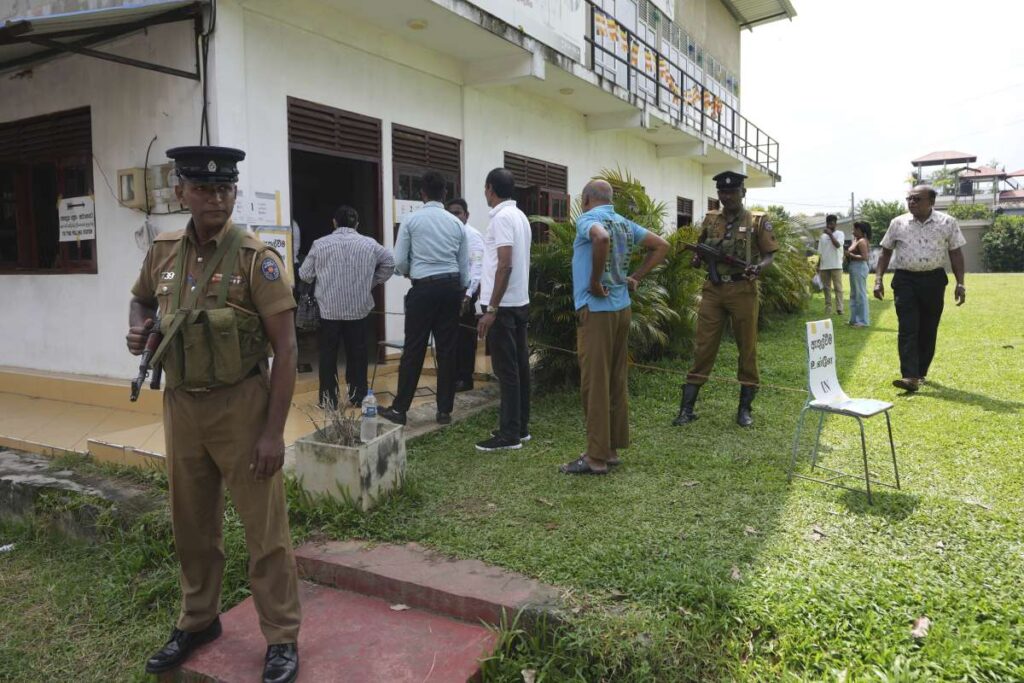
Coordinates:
(686, 415)
(179, 646)
(743, 416)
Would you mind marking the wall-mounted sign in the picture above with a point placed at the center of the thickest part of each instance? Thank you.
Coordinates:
(77, 219)
(280, 238)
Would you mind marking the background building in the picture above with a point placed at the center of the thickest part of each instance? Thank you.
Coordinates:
(336, 101)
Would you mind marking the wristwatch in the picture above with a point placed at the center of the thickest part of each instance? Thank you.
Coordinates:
(492, 309)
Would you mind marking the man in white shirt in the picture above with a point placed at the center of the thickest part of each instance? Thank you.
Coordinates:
(918, 244)
(830, 263)
(504, 290)
(465, 354)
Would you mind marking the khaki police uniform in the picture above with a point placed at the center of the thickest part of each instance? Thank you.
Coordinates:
(211, 431)
(748, 238)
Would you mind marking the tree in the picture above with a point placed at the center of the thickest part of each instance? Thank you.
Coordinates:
(943, 180)
(1003, 245)
(879, 214)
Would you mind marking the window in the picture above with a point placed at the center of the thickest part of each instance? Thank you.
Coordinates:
(542, 189)
(41, 160)
(684, 212)
(714, 204)
(414, 152)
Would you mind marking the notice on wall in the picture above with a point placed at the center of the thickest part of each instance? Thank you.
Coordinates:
(403, 207)
(77, 219)
(257, 208)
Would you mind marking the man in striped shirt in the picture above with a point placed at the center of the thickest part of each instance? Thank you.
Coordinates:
(345, 266)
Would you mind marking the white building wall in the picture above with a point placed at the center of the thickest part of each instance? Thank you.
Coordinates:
(77, 323)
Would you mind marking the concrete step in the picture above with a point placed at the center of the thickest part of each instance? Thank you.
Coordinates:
(348, 637)
(416, 576)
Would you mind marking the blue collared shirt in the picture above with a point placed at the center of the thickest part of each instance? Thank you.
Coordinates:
(431, 241)
(623, 235)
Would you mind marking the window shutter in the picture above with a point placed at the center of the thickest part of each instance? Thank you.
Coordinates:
(425, 149)
(530, 172)
(46, 138)
(317, 128)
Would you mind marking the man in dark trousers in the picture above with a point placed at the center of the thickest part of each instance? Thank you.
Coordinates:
(465, 356)
(433, 252)
(222, 299)
(746, 236)
(918, 243)
(504, 290)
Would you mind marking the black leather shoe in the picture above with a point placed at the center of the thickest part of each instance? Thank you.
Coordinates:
(393, 415)
(281, 664)
(444, 418)
(686, 414)
(179, 646)
(743, 416)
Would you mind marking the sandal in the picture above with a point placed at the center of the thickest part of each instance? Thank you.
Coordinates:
(580, 466)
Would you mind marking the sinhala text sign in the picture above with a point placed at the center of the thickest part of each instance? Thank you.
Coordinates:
(77, 219)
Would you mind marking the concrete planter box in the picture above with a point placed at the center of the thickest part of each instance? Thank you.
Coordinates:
(363, 473)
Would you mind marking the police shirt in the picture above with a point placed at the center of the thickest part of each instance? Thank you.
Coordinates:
(258, 283)
(747, 231)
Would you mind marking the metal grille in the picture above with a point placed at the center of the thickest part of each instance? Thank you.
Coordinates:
(425, 149)
(46, 138)
(530, 172)
(684, 206)
(318, 128)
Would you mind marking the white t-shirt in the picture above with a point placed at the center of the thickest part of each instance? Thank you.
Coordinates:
(831, 257)
(476, 257)
(508, 227)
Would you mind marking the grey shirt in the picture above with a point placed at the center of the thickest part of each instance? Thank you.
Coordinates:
(346, 267)
(431, 241)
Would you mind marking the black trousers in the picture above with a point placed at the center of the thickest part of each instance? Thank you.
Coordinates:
(919, 298)
(430, 308)
(465, 356)
(510, 360)
(351, 333)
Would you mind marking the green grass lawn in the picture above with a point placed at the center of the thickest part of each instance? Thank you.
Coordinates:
(696, 560)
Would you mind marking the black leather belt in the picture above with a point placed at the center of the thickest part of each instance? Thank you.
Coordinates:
(436, 278)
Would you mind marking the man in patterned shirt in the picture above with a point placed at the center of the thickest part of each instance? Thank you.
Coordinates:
(918, 243)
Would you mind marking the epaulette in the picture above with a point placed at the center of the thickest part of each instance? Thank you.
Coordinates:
(172, 236)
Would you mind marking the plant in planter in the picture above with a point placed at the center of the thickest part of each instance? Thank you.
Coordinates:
(333, 461)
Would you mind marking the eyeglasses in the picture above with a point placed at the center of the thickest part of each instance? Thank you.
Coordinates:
(914, 198)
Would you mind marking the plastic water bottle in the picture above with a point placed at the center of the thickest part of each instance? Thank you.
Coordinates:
(368, 425)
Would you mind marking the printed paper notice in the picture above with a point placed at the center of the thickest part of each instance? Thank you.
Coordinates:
(77, 218)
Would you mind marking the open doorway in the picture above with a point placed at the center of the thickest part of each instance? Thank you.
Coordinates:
(320, 183)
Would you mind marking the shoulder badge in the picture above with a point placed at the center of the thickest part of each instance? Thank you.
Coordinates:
(766, 225)
(270, 269)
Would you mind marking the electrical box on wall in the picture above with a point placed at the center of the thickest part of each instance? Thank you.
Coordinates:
(131, 187)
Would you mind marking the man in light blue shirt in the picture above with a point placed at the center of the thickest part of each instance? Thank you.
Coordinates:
(601, 286)
(431, 250)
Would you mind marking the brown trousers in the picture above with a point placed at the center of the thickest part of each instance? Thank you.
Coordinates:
(832, 279)
(737, 301)
(210, 439)
(602, 344)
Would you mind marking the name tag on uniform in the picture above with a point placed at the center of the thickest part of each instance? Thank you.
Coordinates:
(743, 228)
(167, 276)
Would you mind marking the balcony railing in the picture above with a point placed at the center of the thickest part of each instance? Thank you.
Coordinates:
(620, 55)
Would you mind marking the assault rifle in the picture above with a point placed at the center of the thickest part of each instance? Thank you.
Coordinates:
(152, 343)
(712, 257)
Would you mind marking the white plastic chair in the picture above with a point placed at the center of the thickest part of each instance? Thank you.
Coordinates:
(827, 397)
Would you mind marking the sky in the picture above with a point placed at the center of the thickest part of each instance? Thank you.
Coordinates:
(854, 90)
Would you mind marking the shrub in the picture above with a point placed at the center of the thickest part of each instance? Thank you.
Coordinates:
(1003, 245)
(966, 212)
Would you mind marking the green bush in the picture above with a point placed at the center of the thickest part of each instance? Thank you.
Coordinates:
(1003, 245)
(966, 212)
(879, 214)
(665, 306)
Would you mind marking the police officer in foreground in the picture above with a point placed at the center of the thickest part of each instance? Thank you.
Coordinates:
(747, 236)
(223, 302)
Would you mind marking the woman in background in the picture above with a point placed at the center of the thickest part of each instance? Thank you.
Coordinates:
(859, 253)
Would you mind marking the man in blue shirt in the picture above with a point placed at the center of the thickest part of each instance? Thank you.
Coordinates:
(433, 252)
(601, 286)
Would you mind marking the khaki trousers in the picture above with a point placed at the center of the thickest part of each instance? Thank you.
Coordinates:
(738, 302)
(602, 345)
(210, 439)
(833, 279)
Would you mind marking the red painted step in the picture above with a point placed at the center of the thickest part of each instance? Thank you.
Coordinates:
(349, 638)
(413, 575)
